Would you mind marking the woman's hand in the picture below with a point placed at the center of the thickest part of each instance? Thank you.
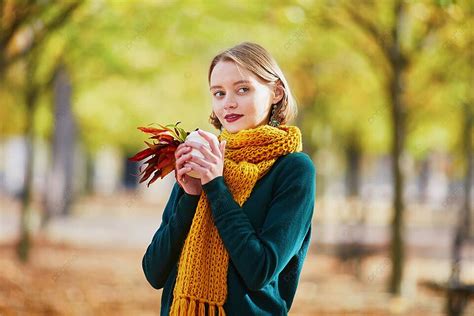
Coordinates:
(189, 184)
(212, 165)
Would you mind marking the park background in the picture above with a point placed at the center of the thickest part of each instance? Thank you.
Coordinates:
(385, 95)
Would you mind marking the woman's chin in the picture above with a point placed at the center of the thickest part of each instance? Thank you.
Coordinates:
(232, 129)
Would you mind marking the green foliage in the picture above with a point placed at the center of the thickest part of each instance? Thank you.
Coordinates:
(132, 64)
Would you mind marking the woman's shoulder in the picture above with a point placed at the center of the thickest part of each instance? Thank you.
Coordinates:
(297, 160)
(296, 165)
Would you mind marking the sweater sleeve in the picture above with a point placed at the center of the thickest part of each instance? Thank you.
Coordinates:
(260, 256)
(164, 250)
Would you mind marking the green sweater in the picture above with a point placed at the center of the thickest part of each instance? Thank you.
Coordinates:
(267, 238)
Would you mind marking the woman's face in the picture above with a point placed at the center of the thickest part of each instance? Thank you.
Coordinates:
(236, 90)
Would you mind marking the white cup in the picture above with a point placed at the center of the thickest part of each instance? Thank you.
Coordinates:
(195, 137)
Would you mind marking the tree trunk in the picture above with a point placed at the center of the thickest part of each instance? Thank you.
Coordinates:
(89, 184)
(423, 178)
(24, 243)
(353, 155)
(60, 177)
(398, 114)
(469, 117)
(464, 220)
(31, 93)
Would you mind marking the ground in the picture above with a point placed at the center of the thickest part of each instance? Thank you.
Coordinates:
(89, 263)
(68, 280)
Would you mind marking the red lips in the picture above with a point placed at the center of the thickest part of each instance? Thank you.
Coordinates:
(232, 117)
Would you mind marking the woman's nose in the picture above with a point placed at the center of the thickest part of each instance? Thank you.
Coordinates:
(230, 103)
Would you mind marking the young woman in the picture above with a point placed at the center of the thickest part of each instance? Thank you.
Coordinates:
(233, 241)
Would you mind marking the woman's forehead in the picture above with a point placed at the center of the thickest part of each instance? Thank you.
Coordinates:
(229, 73)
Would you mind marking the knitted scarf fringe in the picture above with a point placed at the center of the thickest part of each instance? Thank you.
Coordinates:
(186, 306)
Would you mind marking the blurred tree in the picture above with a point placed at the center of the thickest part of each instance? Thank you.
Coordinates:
(24, 26)
(60, 178)
(382, 32)
(463, 227)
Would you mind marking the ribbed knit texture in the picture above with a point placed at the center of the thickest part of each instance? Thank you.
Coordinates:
(201, 283)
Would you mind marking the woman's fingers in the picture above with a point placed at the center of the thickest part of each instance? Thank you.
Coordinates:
(183, 148)
(182, 172)
(181, 160)
(222, 147)
(180, 153)
(211, 140)
(197, 167)
(188, 158)
(208, 155)
(198, 160)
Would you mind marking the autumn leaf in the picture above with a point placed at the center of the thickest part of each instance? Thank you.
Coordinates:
(159, 154)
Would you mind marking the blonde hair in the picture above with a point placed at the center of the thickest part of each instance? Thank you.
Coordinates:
(258, 61)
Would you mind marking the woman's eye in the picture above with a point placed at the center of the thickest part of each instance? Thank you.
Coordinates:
(221, 93)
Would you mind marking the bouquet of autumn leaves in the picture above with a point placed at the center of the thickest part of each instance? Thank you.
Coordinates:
(160, 153)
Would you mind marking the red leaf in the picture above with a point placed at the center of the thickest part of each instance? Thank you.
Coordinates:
(142, 154)
(159, 157)
(165, 138)
(148, 167)
(153, 160)
(169, 149)
(164, 162)
(156, 176)
(147, 174)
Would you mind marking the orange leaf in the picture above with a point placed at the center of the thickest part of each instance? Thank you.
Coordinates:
(167, 170)
(152, 130)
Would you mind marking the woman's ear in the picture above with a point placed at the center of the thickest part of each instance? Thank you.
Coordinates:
(278, 93)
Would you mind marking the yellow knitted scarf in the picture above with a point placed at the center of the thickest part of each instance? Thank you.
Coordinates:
(201, 283)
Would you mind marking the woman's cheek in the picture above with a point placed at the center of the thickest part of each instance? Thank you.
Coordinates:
(217, 111)
(219, 115)
(247, 97)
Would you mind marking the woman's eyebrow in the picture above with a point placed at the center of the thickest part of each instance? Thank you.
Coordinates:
(235, 83)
